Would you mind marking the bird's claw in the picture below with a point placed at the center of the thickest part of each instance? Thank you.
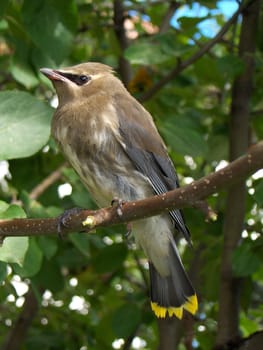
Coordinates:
(118, 203)
(64, 218)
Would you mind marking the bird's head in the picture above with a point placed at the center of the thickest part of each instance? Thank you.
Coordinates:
(81, 80)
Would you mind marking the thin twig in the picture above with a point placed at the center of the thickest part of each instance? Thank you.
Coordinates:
(173, 6)
(46, 183)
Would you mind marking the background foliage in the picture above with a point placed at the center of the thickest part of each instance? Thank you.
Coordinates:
(91, 291)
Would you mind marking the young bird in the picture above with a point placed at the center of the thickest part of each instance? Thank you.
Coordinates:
(112, 143)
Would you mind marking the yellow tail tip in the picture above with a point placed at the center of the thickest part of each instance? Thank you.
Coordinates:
(191, 305)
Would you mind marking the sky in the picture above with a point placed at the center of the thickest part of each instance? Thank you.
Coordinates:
(208, 27)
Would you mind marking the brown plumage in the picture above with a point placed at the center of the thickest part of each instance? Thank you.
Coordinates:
(112, 143)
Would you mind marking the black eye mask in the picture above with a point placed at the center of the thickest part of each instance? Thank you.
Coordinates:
(77, 79)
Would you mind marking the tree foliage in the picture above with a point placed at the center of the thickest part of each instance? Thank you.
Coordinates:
(185, 61)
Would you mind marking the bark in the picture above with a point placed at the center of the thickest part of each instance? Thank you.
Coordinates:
(16, 337)
(119, 18)
(165, 25)
(228, 318)
(253, 342)
(170, 333)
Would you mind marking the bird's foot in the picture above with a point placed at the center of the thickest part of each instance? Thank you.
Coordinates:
(118, 203)
(64, 218)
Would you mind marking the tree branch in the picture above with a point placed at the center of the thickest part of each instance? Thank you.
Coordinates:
(253, 342)
(118, 19)
(228, 326)
(170, 331)
(186, 196)
(18, 332)
(46, 183)
(203, 50)
(173, 6)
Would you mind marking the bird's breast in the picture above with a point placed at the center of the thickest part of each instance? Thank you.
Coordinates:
(92, 147)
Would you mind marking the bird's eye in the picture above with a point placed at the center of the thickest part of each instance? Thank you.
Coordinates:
(83, 79)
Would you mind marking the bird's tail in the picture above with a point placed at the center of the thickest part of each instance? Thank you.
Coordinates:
(172, 293)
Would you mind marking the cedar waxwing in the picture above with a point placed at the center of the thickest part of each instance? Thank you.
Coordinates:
(112, 143)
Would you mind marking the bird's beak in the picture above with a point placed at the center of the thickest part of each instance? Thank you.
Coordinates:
(53, 74)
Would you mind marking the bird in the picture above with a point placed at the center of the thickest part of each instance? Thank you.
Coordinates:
(112, 142)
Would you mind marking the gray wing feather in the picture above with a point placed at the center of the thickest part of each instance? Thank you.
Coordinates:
(162, 176)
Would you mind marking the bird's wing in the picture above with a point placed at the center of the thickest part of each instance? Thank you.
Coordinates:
(144, 146)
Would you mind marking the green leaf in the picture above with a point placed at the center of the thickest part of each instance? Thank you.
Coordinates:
(217, 148)
(258, 195)
(205, 338)
(245, 262)
(50, 277)
(67, 12)
(32, 260)
(48, 246)
(13, 211)
(14, 250)
(188, 25)
(162, 48)
(23, 74)
(3, 271)
(247, 326)
(145, 53)
(24, 124)
(81, 242)
(49, 24)
(183, 140)
(125, 320)
(230, 66)
(257, 123)
(3, 206)
(207, 75)
(156, 12)
(110, 258)
(104, 327)
(3, 5)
